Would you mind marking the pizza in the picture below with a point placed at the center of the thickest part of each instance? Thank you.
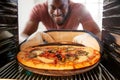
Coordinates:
(59, 57)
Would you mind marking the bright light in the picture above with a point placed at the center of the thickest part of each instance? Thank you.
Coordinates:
(95, 7)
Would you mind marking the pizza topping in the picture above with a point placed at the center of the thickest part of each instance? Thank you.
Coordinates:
(82, 58)
(59, 57)
(32, 55)
(45, 60)
(52, 51)
(82, 53)
(59, 54)
(37, 52)
(70, 57)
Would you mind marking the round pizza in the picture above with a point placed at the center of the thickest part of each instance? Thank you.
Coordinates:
(59, 57)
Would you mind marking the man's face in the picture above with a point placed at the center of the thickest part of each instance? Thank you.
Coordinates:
(58, 10)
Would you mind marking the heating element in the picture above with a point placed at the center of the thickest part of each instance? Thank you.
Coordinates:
(13, 71)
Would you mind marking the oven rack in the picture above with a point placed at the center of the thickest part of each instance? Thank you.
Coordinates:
(13, 71)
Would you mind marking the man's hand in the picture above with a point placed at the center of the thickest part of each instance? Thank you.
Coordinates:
(33, 40)
(87, 40)
(36, 39)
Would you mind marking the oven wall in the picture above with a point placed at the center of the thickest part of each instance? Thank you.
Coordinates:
(8, 30)
(111, 35)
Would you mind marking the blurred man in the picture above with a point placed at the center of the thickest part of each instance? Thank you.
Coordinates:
(60, 14)
(57, 15)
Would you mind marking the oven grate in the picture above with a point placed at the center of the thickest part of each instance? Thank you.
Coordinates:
(12, 71)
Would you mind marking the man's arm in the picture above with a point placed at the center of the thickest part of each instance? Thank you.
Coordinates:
(30, 28)
(88, 22)
(92, 27)
(35, 39)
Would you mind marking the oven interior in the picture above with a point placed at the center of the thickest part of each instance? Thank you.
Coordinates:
(108, 69)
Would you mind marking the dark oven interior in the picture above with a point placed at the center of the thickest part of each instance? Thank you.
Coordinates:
(108, 69)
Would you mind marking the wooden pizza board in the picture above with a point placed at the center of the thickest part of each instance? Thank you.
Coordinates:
(58, 72)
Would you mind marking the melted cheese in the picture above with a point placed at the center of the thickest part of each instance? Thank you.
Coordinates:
(90, 51)
(37, 52)
(82, 58)
(45, 60)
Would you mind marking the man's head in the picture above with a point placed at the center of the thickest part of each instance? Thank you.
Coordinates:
(58, 10)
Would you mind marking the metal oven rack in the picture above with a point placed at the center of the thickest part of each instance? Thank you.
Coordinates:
(13, 71)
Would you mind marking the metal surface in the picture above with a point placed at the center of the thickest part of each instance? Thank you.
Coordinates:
(12, 71)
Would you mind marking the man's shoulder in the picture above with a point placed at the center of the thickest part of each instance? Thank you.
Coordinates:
(76, 5)
(40, 5)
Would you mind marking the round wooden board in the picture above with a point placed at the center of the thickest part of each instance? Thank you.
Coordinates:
(58, 72)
